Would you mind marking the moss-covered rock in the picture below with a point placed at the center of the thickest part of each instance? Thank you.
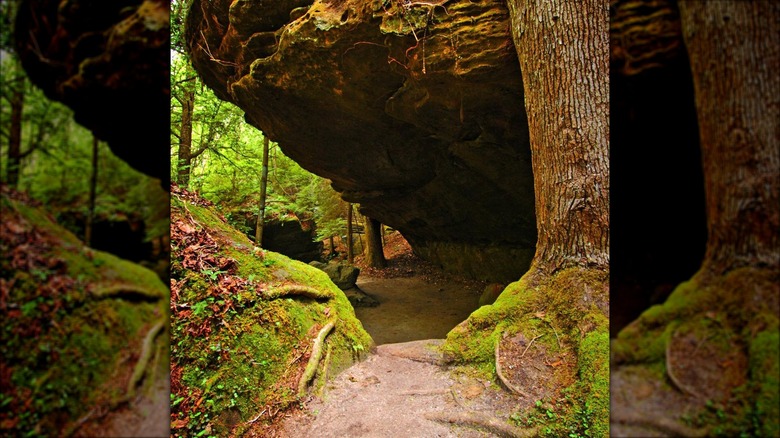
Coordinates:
(244, 323)
(83, 330)
(716, 340)
(564, 318)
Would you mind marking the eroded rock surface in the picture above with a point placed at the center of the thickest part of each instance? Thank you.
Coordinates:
(412, 109)
(110, 63)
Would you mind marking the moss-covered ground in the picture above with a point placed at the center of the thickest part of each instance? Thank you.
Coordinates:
(75, 322)
(736, 315)
(243, 324)
(565, 315)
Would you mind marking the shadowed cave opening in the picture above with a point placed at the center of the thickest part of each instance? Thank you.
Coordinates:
(657, 219)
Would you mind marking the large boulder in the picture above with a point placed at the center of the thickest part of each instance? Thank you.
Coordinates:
(341, 274)
(245, 321)
(414, 110)
(84, 332)
(293, 238)
(110, 63)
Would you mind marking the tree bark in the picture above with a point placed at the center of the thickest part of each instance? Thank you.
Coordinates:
(563, 48)
(185, 139)
(735, 58)
(263, 187)
(375, 256)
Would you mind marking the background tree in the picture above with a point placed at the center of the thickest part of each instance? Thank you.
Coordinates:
(263, 188)
(375, 256)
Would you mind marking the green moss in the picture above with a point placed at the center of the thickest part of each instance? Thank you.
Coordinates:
(68, 351)
(592, 419)
(736, 305)
(565, 310)
(765, 373)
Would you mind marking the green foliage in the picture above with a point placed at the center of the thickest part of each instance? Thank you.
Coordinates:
(57, 164)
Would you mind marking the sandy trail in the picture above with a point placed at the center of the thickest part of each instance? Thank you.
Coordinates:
(392, 393)
(412, 309)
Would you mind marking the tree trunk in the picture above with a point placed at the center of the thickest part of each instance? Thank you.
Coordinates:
(734, 55)
(92, 193)
(737, 90)
(185, 140)
(563, 49)
(263, 186)
(375, 256)
(15, 134)
(350, 250)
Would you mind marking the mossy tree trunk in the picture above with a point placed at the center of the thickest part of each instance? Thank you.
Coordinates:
(375, 256)
(731, 306)
(563, 49)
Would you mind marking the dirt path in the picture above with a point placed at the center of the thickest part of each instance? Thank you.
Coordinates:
(402, 389)
(399, 391)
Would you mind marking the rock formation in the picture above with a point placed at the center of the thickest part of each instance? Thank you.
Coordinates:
(110, 63)
(414, 110)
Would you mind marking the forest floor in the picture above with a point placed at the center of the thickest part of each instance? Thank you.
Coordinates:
(403, 387)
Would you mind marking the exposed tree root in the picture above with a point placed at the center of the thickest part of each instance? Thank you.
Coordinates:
(146, 353)
(481, 421)
(314, 360)
(325, 367)
(664, 425)
(297, 290)
(125, 291)
(672, 376)
(500, 374)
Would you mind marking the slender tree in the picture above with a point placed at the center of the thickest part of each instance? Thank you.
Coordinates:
(263, 189)
(15, 129)
(187, 101)
(350, 249)
(92, 193)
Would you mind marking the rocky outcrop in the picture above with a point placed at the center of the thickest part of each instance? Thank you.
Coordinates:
(110, 63)
(341, 274)
(293, 238)
(412, 109)
(73, 314)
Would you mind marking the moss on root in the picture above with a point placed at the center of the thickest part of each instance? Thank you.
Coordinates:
(68, 353)
(567, 311)
(242, 335)
(742, 308)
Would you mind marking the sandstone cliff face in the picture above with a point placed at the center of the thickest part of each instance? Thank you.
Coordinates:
(110, 63)
(412, 109)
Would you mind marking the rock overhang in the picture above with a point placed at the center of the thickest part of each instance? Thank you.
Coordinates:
(414, 110)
